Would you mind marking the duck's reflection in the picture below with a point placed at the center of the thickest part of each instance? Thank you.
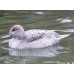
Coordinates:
(46, 52)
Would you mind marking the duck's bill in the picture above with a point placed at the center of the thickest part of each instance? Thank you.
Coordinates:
(6, 36)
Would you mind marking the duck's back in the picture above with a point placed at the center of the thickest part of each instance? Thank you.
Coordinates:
(37, 34)
(37, 31)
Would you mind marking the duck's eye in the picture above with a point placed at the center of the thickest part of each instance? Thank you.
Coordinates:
(14, 30)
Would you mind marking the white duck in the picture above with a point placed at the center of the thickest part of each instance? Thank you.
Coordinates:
(34, 38)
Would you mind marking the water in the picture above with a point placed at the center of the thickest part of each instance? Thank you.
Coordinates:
(63, 21)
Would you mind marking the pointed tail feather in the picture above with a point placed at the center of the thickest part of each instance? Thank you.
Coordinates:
(63, 36)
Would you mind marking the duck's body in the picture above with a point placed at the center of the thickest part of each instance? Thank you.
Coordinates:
(35, 38)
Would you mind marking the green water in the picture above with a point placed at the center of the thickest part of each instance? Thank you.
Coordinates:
(60, 53)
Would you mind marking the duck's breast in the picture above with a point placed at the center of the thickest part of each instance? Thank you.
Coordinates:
(13, 43)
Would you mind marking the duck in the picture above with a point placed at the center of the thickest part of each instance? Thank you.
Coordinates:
(34, 38)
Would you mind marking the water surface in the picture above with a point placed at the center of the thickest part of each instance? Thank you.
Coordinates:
(63, 21)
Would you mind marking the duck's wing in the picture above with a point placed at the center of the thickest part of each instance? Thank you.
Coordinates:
(33, 35)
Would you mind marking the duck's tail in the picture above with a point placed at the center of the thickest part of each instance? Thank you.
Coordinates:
(63, 36)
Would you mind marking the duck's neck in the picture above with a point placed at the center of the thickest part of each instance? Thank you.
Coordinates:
(20, 36)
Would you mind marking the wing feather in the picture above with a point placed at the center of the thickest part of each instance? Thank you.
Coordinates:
(33, 35)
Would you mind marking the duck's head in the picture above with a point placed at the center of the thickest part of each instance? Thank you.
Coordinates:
(17, 31)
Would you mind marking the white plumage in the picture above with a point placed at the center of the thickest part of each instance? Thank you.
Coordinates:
(34, 38)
